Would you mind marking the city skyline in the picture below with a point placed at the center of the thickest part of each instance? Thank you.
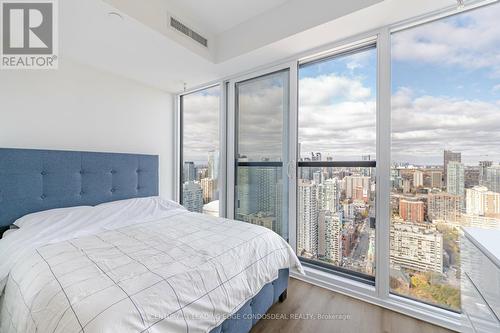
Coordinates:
(335, 206)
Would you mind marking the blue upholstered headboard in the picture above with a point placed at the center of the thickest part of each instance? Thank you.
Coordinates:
(36, 180)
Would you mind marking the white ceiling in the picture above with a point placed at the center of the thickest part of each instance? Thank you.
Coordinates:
(222, 15)
(139, 51)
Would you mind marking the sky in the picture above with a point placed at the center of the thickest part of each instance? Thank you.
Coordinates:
(200, 124)
(261, 103)
(446, 89)
(446, 95)
(337, 108)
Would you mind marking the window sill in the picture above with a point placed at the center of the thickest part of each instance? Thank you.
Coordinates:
(367, 293)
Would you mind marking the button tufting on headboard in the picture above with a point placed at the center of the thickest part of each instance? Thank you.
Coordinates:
(35, 180)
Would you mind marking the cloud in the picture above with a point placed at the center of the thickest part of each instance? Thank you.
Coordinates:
(337, 113)
(260, 116)
(469, 40)
(201, 124)
(423, 126)
(337, 117)
(323, 89)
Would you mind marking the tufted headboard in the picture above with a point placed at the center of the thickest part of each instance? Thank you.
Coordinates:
(36, 180)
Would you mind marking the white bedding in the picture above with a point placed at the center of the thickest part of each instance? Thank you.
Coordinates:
(142, 265)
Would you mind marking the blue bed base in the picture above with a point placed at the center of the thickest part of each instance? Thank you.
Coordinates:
(248, 315)
(36, 180)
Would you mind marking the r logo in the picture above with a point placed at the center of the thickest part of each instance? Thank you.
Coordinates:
(28, 28)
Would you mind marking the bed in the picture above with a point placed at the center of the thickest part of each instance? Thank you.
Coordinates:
(98, 251)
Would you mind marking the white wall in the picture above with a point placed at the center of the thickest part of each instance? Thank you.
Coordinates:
(80, 108)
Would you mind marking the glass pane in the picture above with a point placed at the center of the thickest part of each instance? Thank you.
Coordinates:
(445, 149)
(336, 217)
(262, 108)
(200, 151)
(261, 186)
(337, 123)
(337, 108)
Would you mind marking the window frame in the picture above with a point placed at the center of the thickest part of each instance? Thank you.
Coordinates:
(379, 294)
(349, 49)
(179, 148)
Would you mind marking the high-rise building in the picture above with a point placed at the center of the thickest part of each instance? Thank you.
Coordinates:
(246, 201)
(436, 179)
(201, 172)
(189, 172)
(192, 196)
(311, 171)
(493, 178)
(330, 236)
(416, 246)
(360, 194)
(208, 186)
(412, 210)
(483, 166)
(444, 206)
(406, 186)
(455, 182)
(481, 202)
(449, 156)
(396, 179)
(307, 228)
(471, 176)
(352, 183)
(318, 177)
(329, 195)
(266, 180)
(258, 191)
(418, 178)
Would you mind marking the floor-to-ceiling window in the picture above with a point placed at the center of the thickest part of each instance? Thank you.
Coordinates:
(261, 110)
(337, 162)
(200, 151)
(444, 129)
(445, 149)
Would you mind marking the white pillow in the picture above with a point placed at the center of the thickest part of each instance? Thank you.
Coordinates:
(34, 218)
(135, 210)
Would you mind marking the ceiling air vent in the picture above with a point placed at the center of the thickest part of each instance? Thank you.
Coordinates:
(181, 27)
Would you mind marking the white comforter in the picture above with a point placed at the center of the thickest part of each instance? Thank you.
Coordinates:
(142, 265)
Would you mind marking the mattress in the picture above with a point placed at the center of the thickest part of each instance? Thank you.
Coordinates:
(142, 265)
